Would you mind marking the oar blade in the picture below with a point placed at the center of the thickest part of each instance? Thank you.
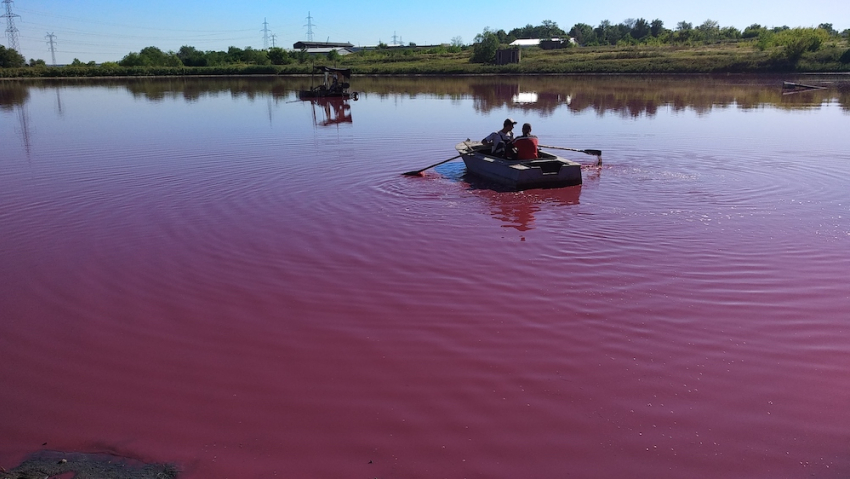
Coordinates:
(592, 152)
(418, 172)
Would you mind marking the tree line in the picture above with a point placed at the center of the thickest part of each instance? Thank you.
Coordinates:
(192, 57)
(793, 43)
(185, 56)
(642, 32)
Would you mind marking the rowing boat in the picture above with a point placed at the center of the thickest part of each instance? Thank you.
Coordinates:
(547, 171)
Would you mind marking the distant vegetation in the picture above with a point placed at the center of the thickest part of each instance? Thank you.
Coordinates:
(785, 43)
(10, 58)
(633, 46)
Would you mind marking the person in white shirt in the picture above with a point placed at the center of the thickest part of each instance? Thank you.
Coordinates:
(500, 141)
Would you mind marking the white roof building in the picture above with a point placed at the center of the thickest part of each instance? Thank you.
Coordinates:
(533, 42)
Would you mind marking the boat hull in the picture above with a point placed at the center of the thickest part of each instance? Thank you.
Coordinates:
(549, 171)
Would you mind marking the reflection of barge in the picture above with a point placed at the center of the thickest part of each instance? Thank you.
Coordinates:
(548, 171)
(335, 84)
(336, 110)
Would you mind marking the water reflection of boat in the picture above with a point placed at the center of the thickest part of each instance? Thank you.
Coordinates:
(335, 111)
(517, 210)
(335, 84)
(548, 171)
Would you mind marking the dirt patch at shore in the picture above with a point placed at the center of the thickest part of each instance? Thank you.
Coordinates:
(77, 465)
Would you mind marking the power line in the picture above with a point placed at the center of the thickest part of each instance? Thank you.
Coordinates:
(309, 27)
(211, 36)
(69, 36)
(50, 37)
(265, 31)
(11, 30)
(397, 39)
(137, 27)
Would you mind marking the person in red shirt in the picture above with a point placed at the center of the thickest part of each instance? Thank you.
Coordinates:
(526, 145)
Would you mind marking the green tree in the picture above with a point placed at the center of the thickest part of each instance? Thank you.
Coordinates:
(684, 32)
(656, 27)
(131, 59)
(151, 57)
(797, 41)
(709, 30)
(730, 33)
(485, 46)
(583, 34)
(609, 34)
(37, 63)
(523, 32)
(504, 37)
(550, 29)
(546, 31)
(234, 55)
(192, 57)
(302, 56)
(334, 55)
(753, 31)
(828, 27)
(279, 56)
(10, 58)
(255, 57)
(640, 29)
(215, 58)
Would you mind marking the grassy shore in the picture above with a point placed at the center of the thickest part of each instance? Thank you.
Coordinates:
(741, 57)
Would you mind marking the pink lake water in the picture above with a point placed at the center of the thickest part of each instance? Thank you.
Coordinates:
(213, 274)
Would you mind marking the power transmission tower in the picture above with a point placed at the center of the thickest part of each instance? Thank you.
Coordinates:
(309, 27)
(50, 37)
(265, 31)
(273, 37)
(395, 39)
(11, 30)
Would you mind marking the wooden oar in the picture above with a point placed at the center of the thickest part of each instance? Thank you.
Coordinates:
(586, 152)
(419, 172)
(596, 153)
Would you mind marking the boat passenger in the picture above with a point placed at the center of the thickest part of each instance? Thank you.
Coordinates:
(526, 145)
(500, 141)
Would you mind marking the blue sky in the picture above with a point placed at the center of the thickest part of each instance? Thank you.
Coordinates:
(103, 30)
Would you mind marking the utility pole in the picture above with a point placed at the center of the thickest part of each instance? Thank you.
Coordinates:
(265, 31)
(309, 27)
(11, 31)
(50, 37)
